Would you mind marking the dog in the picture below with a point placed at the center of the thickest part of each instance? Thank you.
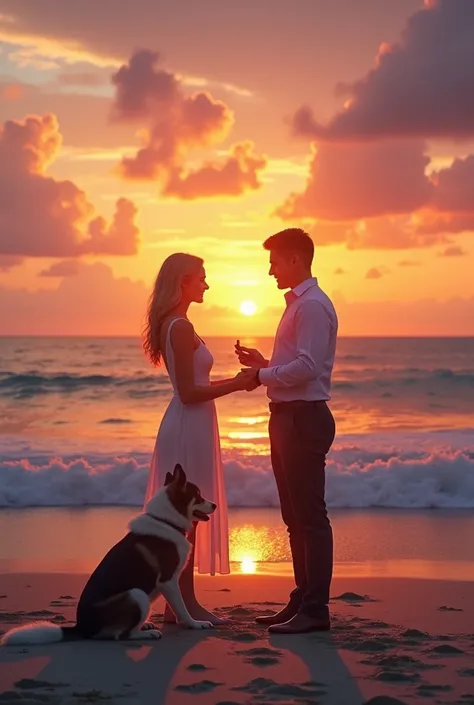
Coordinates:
(143, 565)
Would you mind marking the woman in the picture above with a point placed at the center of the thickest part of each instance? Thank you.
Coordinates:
(189, 432)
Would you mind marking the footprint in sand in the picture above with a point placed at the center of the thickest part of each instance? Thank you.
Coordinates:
(445, 608)
(198, 667)
(446, 650)
(353, 597)
(198, 688)
(270, 690)
(261, 656)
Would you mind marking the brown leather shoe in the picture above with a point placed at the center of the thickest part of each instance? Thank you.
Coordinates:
(288, 612)
(301, 624)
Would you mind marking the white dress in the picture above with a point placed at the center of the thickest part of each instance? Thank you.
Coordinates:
(189, 435)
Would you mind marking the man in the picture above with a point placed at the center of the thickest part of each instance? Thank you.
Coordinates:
(301, 427)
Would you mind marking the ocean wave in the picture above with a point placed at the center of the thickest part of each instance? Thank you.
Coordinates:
(32, 384)
(356, 478)
(141, 385)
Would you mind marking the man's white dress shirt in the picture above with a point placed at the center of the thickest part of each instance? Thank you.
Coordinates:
(305, 346)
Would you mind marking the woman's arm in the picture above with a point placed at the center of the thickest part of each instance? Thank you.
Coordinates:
(216, 382)
(182, 341)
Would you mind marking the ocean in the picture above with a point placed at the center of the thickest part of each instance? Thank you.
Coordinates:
(79, 416)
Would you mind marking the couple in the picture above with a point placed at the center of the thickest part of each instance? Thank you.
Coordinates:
(301, 427)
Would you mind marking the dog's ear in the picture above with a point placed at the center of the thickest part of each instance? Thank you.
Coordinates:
(168, 479)
(179, 476)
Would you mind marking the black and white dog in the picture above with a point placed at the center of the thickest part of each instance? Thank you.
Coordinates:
(146, 563)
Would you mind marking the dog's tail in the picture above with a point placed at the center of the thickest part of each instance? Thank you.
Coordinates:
(39, 633)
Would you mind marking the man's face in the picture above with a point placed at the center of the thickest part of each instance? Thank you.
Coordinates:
(282, 267)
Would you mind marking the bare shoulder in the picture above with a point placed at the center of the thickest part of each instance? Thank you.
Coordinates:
(182, 333)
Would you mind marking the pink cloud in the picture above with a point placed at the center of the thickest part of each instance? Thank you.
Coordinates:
(174, 124)
(454, 251)
(419, 87)
(353, 181)
(374, 273)
(102, 304)
(451, 208)
(9, 261)
(239, 173)
(382, 183)
(64, 268)
(44, 217)
(455, 187)
(409, 263)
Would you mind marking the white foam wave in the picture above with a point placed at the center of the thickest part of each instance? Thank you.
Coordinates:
(356, 477)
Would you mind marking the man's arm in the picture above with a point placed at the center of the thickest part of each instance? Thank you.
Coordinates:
(313, 329)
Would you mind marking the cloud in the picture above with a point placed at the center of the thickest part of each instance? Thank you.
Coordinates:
(374, 273)
(419, 317)
(101, 303)
(348, 182)
(175, 124)
(44, 217)
(65, 268)
(409, 263)
(104, 304)
(380, 195)
(432, 223)
(419, 87)
(231, 178)
(9, 261)
(454, 251)
(451, 208)
(454, 190)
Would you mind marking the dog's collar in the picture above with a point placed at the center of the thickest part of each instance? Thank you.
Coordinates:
(165, 521)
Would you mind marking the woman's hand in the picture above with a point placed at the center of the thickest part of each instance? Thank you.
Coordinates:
(246, 380)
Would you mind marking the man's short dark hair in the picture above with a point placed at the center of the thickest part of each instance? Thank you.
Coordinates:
(292, 241)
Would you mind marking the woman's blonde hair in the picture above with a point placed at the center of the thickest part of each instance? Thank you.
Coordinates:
(166, 295)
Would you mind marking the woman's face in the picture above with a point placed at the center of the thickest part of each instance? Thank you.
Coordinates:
(194, 286)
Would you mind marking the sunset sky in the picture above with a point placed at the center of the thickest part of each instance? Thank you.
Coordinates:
(131, 130)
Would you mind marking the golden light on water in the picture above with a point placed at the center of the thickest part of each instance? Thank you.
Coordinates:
(247, 435)
(252, 545)
(248, 565)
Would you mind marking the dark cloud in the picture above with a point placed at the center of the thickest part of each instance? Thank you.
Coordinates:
(419, 87)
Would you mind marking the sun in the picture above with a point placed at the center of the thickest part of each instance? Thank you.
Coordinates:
(248, 565)
(248, 308)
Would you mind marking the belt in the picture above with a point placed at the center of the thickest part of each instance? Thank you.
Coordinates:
(275, 406)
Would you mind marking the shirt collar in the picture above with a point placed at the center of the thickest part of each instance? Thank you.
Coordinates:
(293, 294)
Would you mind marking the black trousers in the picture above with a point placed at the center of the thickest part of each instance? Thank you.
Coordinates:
(301, 434)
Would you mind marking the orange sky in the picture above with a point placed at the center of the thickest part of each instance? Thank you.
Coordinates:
(130, 131)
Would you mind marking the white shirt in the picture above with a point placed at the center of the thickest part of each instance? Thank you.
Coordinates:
(305, 346)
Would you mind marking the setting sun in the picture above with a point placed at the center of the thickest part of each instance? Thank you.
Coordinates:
(248, 308)
(248, 565)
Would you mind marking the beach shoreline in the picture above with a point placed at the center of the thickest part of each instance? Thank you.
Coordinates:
(405, 638)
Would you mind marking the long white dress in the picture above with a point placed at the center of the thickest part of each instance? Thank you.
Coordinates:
(189, 435)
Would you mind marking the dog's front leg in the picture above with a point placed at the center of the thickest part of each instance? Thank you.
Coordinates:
(173, 596)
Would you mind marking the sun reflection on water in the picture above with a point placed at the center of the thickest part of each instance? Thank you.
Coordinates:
(248, 565)
(251, 545)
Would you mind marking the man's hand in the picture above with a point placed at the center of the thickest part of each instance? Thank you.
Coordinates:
(250, 357)
(251, 374)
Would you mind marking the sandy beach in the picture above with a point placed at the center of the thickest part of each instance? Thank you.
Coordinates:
(393, 640)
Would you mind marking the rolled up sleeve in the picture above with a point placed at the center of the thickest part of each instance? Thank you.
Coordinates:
(313, 329)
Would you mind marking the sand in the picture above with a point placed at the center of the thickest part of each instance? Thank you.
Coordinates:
(393, 641)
